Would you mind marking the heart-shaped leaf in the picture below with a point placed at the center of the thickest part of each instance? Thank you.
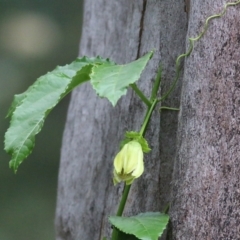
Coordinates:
(145, 226)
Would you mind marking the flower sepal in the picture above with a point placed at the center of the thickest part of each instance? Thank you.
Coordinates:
(136, 136)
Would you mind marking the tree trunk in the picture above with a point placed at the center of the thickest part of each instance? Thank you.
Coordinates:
(122, 30)
(206, 185)
(205, 181)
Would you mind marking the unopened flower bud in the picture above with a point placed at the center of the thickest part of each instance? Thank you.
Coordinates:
(128, 164)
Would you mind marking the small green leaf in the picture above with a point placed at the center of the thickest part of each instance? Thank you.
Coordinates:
(29, 109)
(145, 226)
(144, 144)
(130, 136)
(112, 82)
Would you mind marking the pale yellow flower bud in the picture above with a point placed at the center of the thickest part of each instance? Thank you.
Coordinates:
(128, 164)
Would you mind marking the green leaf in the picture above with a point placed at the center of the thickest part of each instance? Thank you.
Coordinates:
(132, 135)
(29, 110)
(144, 144)
(69, 70)
(145, 226)
(136, 136)
(112, 82)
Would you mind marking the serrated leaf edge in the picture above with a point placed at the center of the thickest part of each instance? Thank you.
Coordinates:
(15, 152)
(140, 214)
(38, 124)
(124, 91)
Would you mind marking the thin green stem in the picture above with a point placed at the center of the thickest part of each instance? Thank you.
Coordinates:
(166, 209)
(156, 84)
(147, 117)
(115, 233)
(168, 108)
(120, 209)
(126, 190)
(123, 200)
(140, 94)
(191, 45)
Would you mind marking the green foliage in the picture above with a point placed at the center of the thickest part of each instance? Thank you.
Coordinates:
(29, 109)
(112, 82)
(130, 136)
(145, 226)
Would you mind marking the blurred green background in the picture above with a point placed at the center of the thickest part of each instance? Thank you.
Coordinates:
(35, 36)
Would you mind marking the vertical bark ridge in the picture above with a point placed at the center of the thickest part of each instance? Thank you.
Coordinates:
(206, 196)
(141, 27)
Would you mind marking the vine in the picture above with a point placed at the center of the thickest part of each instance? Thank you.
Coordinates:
(30, 109)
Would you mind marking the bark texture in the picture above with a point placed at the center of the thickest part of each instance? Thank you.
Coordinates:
(206, 185)
(122, 30)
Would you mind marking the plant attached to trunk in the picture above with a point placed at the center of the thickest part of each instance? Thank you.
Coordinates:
(29, 110)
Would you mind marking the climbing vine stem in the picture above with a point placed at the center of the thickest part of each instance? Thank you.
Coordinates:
(147, 117)
(140, 94)
(151, 104)
(191, 45)
(126, 190)
(120, 209)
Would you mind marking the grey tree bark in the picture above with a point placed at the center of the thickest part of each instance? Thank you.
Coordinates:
(124, 30)
(206, 185)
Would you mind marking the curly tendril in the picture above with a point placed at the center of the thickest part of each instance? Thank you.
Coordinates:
(191, 45)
